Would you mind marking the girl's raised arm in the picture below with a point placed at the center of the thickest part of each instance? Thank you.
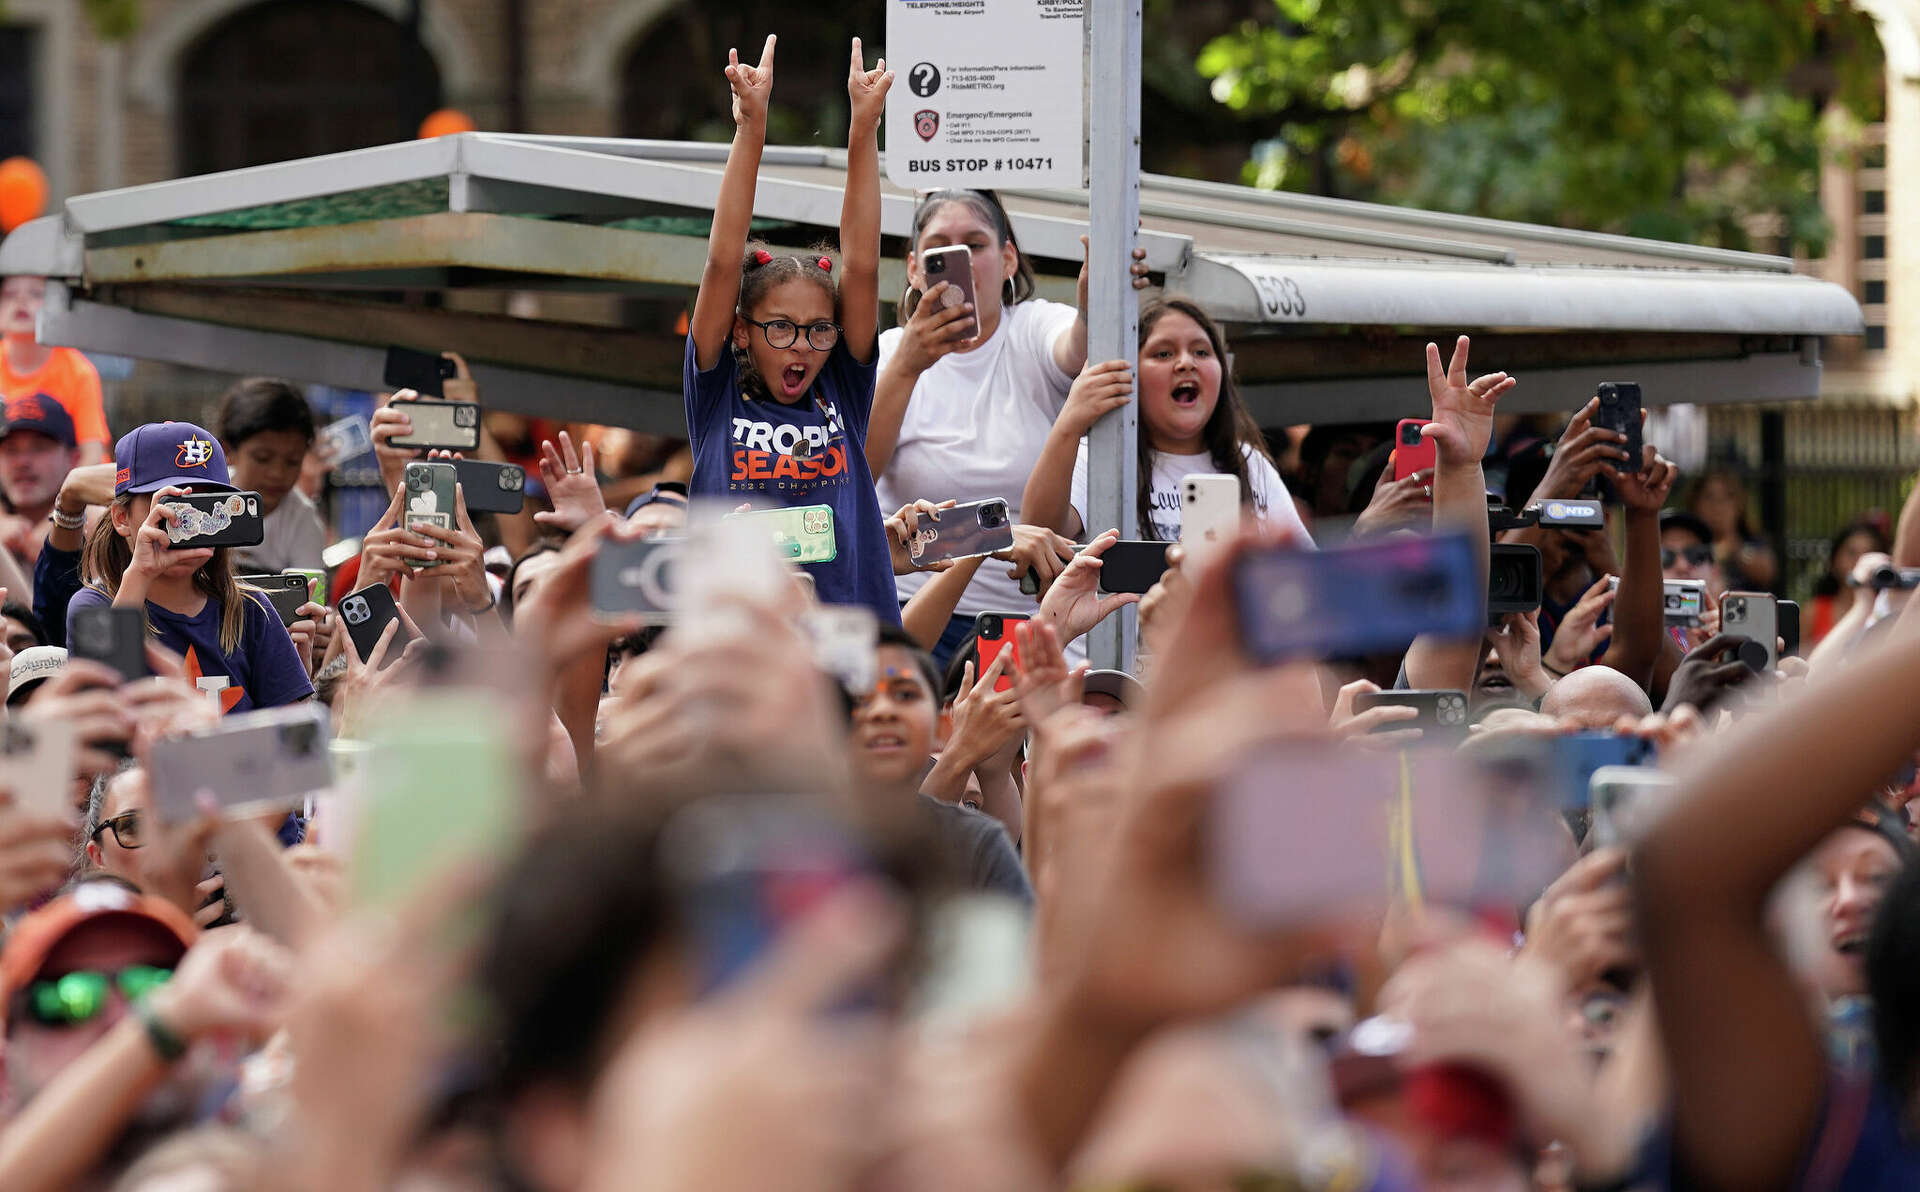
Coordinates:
(733, 215)
(860, 206)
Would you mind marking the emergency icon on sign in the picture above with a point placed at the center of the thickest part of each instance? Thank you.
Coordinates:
(927, 124)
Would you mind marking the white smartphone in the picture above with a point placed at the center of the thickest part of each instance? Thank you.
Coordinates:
(843, 638)
(1625, 800)
(1753, 615)
(1209, 511)
(251, 763)
(36, 765)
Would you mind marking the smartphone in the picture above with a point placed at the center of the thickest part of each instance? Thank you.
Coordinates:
(422, 372)
(1625, 800)
(1133, 566)
(367, 613)
(843, 638)
(445, 425)
(36, 765)
(743, 868)
(1685, 600)
(1356, 600)
(994, 632)
(1576, 757)
(1753, 615)
(286, 592)
(316, 582)
(629, 578)
(429, 500)
(1442, 714)
(252, 764)
(490, 487)
(1515, 581)
(1572, 515)
(1299, 830)
(214, 520)
(1788, 612)
(963, 532)
(802, 534)
(1413, 451)
(1209, 511)
(115, 636)
(953, 265)
(1620, 411)
(441, 791)
(347, 438)
(977, 960)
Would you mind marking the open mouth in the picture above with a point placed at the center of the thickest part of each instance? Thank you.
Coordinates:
(1850, 943)
(793, 380)
(884, 743)
(1186, 394)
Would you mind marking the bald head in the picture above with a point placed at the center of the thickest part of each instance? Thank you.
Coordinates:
(1593, 698)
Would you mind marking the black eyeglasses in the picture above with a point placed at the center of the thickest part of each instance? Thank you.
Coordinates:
(1696, 556)
(781, 333)
(126, 828)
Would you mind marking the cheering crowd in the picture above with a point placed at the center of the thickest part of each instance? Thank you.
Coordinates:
(840, 869)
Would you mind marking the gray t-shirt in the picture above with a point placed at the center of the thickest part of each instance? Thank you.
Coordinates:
(976, 849)
(294, 537)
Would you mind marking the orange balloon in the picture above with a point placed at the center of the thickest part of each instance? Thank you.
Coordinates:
(23, 192)
(445, 122)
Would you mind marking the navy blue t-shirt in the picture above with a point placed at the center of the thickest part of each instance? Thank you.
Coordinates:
(750, 451)
(263, 671)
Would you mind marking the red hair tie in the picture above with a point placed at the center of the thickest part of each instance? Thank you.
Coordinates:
(826, 263)
(762, 257)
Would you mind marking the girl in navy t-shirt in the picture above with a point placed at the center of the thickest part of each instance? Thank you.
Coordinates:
(780, 366)
(231, 641)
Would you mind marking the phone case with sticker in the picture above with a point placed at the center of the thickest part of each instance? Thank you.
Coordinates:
(803, 534)
(429, 500)
(215, 520)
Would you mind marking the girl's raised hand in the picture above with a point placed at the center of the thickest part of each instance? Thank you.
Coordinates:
(1097, 391)
(867, 89)
(752, 87)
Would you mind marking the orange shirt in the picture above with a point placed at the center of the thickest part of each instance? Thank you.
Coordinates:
(70, 379)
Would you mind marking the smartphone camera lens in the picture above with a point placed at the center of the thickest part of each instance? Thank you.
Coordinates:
(1410, 435)
(992, 517)
(990, 627)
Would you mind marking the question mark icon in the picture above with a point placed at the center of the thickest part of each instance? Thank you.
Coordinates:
(924, 78)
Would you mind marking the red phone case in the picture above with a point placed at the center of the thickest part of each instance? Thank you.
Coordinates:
(1409, 458)
(990, 649)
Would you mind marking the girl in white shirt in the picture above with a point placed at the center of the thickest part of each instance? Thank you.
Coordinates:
(966, 394)
(1191, 420)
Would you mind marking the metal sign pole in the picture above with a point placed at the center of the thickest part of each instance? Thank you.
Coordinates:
(1113, 308)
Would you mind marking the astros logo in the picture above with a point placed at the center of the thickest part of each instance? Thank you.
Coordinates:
(194, 453)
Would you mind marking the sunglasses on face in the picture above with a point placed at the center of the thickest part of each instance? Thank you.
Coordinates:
(80, 996)
(1696, 556)
(126, 827)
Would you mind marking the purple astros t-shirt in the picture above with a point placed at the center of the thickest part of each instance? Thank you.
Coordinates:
(263, 671)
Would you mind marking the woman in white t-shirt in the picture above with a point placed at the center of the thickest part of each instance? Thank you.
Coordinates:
(966, 394)
(1191, 420)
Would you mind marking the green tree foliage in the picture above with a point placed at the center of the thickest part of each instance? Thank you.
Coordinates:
(1669, 118)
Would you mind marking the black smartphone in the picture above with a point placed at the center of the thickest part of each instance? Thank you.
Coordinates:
(285, 592)
(367, 613)
(1442, 714)
(115, 636)
(1133, 566)
(422, 372)
(1620, 411)
(1788, 613)
(1515, 582)
(439, 425)
(490, 487)
(215, 519)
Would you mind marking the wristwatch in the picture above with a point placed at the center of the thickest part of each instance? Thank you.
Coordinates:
(167, 1045)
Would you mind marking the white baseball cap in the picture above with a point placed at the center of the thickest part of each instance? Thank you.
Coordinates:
(31, 667)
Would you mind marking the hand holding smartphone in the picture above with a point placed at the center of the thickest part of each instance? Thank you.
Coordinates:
(1620, 411)
(1412, 451)
(953, 265)
(994, 632)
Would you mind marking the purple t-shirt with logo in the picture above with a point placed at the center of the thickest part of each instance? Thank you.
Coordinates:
(263, 671)
(751, 451)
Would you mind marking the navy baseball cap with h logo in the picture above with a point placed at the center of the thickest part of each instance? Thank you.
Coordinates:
(151, 457)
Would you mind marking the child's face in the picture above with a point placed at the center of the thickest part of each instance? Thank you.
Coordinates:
(788, 371)
(994, 260)
(269, 464)
(893, 727)
(20, 299)
(1179, 383)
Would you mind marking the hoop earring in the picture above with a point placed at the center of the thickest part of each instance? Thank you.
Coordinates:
(1008, 295)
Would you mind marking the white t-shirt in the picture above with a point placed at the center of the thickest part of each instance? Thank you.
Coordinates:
(1272, 504)
(974, 429)
(294, 537)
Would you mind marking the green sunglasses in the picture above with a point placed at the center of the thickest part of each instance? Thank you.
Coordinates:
(80, 996)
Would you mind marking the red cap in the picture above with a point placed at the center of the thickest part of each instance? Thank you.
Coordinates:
(37, 934)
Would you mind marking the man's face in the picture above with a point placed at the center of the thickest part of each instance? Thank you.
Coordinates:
(32, 466)
(17, 636)
(125, 806)
(893, 728)
(1106, 705)
(20, 299)
(36, 1051)
(659, 517)
(1684, 556)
